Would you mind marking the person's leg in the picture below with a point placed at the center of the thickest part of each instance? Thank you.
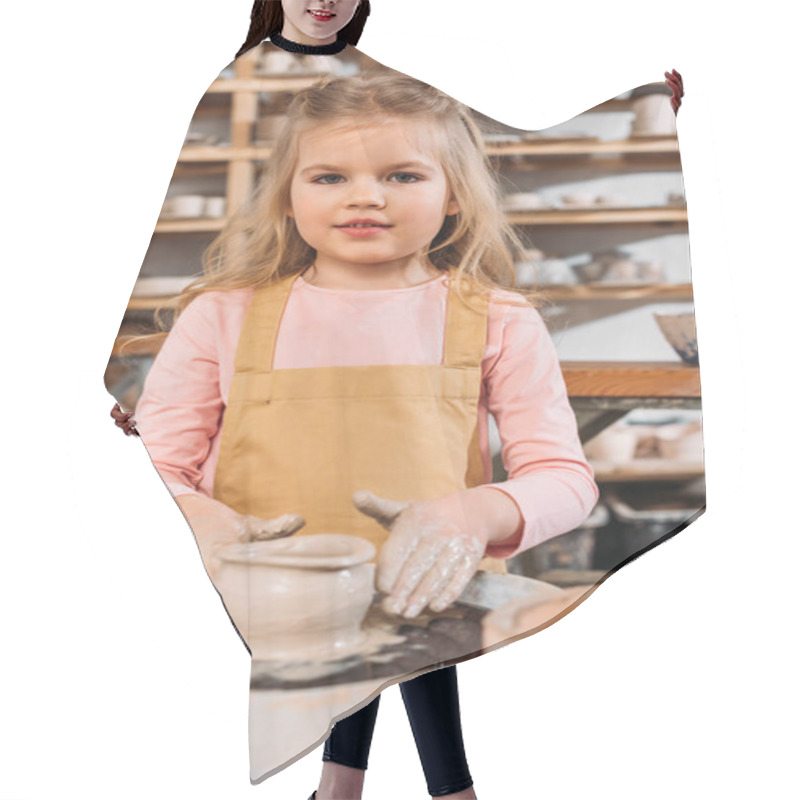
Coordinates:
(346, 753)
(433, 710)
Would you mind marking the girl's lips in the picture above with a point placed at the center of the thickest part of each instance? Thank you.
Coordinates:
(362, 231)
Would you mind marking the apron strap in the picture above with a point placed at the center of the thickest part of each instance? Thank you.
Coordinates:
(465, 327)
(255, 351)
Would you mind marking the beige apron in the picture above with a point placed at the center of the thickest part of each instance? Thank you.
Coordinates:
(301, 441)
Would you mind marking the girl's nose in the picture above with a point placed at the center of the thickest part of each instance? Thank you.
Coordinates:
(365, 193)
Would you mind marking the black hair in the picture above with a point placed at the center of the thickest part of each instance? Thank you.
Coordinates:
(266, 19)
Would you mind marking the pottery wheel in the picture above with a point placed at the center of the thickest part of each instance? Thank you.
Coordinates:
(426, 641)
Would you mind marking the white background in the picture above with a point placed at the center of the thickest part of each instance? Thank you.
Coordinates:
(120, 674)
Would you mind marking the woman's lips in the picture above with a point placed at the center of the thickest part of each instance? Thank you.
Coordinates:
(322, 16)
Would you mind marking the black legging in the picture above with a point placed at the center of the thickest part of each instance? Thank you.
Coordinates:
(432, 706)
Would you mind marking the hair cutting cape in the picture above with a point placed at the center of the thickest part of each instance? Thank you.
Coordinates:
(598, 203)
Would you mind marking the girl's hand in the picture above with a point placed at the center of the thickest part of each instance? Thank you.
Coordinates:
(124, 420)
(215, 526)
(675, 82)
(434, 549)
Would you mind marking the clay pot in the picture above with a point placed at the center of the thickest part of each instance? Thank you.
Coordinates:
(299, 599)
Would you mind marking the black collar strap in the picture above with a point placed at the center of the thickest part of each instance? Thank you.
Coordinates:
(308, 49)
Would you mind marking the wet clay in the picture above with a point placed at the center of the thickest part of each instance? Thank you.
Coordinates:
(301, 598)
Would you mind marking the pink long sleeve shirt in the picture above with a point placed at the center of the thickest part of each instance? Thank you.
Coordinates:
(180, 413)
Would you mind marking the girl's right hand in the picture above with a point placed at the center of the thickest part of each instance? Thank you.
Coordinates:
(216, 526)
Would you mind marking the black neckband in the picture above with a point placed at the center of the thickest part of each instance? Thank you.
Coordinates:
(309, 49)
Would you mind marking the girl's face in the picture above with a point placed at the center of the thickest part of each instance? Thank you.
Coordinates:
(315, 21)
(369, 195)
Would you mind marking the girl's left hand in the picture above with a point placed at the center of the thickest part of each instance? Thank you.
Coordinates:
(431, 554)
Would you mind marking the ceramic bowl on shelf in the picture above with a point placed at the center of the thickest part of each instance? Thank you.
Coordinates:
(681, 442)
(680, 331)
(184, 206)
(578, 200)
(214, 207)
(611, 201)
(551, 271)
(615, 445)
(590, 271)
(651, 271)
(161, 285)
(621, 270)
(524, 201)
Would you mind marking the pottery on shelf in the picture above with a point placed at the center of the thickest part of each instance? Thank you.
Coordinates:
(300, 598)
(621, 270)
(680, 331)
(590, 271)
(578, 199)
(615, 445)
(557, 271)
(681, 442)
(523, 201)
(183, 206)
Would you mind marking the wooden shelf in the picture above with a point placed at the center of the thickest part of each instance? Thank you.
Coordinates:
(198, 225)
(647, 469)
(194, 153)
(291, 83)
(151, 303)
(662, 379)
(148, 348)
(583, 379)
(658, 215)
(657, 146)
(650, 145)
(623, 216)
(662, 291)
(596, 291)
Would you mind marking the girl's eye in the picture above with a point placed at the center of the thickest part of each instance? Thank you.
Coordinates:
(328, 179)
(406, 177)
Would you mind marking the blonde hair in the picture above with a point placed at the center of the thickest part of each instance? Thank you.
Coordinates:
(260, 243)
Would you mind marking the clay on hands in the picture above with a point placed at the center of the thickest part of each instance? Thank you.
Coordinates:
(429, 557)
(215, 526)
(255, 529)
(675, 83)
